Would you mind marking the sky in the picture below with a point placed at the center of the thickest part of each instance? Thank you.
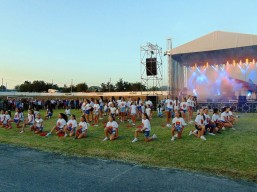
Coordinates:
(95, 41)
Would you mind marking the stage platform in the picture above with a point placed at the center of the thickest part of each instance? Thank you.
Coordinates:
(242, 107)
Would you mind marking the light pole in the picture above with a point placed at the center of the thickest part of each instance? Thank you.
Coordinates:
(71, 86)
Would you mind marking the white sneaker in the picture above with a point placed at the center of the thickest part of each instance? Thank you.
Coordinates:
(133, 124)
(173, 139)
(154, 136)
(233, 128)
(48, 134)
(195, 131)
(21, 131)
(176, 135)
(190, 133)
(134, 140)
(223, 128)
(212, 134)
(65, 135)
(203, 138)
(105, 139)
(168, 125)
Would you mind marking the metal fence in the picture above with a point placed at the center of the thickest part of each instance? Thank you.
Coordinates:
(250, 107)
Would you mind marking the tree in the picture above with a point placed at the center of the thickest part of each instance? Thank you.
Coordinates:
(26, 87)
(119, 86)
(17, 87)
(81, 87)
(104, 88)
(107, 87)
(35, 86)
(39, 86)
(2, 88)
(138, 87)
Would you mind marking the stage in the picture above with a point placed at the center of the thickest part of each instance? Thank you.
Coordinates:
(241, 107)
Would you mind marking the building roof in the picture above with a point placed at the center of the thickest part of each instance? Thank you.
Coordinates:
(217, 48)
(216, 40)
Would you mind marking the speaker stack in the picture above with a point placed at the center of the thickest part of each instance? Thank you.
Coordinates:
(151, 68)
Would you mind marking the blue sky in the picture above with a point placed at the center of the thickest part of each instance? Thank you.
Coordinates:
(93, 41)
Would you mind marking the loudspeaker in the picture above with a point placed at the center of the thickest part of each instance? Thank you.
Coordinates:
(151, 68)
(242, 99)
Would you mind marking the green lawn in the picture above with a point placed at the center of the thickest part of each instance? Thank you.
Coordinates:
(232, 153)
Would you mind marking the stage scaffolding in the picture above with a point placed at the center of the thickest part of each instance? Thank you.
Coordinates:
(177, 74)
(153, 83)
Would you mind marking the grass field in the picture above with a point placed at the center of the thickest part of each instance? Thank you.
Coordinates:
(232, 153)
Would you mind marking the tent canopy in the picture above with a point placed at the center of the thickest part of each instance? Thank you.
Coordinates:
(217, 48)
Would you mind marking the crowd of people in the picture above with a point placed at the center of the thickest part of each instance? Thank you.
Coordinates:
(178, 115)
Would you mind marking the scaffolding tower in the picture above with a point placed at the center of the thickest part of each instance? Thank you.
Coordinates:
(152, 81)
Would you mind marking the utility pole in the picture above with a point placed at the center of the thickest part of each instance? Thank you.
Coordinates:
(110, 84)
(71, 85)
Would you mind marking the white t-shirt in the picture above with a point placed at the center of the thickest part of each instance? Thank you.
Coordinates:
(122, 104)
(169, 103)
(143, 108)
(112, 110)
(128, 103)
(2, 117)
(61, 123)
(72, 123)
(67, 111)
(38, 122)
(150, 103)
(114, 125)
(183, 105)
(31, 118)
(230, 113)
(199, 120)
(133, 109)
(146, 124)
(207, 119)
(190, 103)
(35, 113)
(7, 117)
(88, 106)
(139, 102)
(224, 116)
(178, 121)
(83, 106)
(96, 107)
(109, 104)
(148, 111)
(16, 116)
(215, 117)
(83, 126)
(176, 104)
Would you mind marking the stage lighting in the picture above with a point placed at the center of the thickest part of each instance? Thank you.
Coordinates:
(234, 63)
(246, 61)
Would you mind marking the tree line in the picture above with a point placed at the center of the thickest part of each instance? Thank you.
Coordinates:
(119, 86)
